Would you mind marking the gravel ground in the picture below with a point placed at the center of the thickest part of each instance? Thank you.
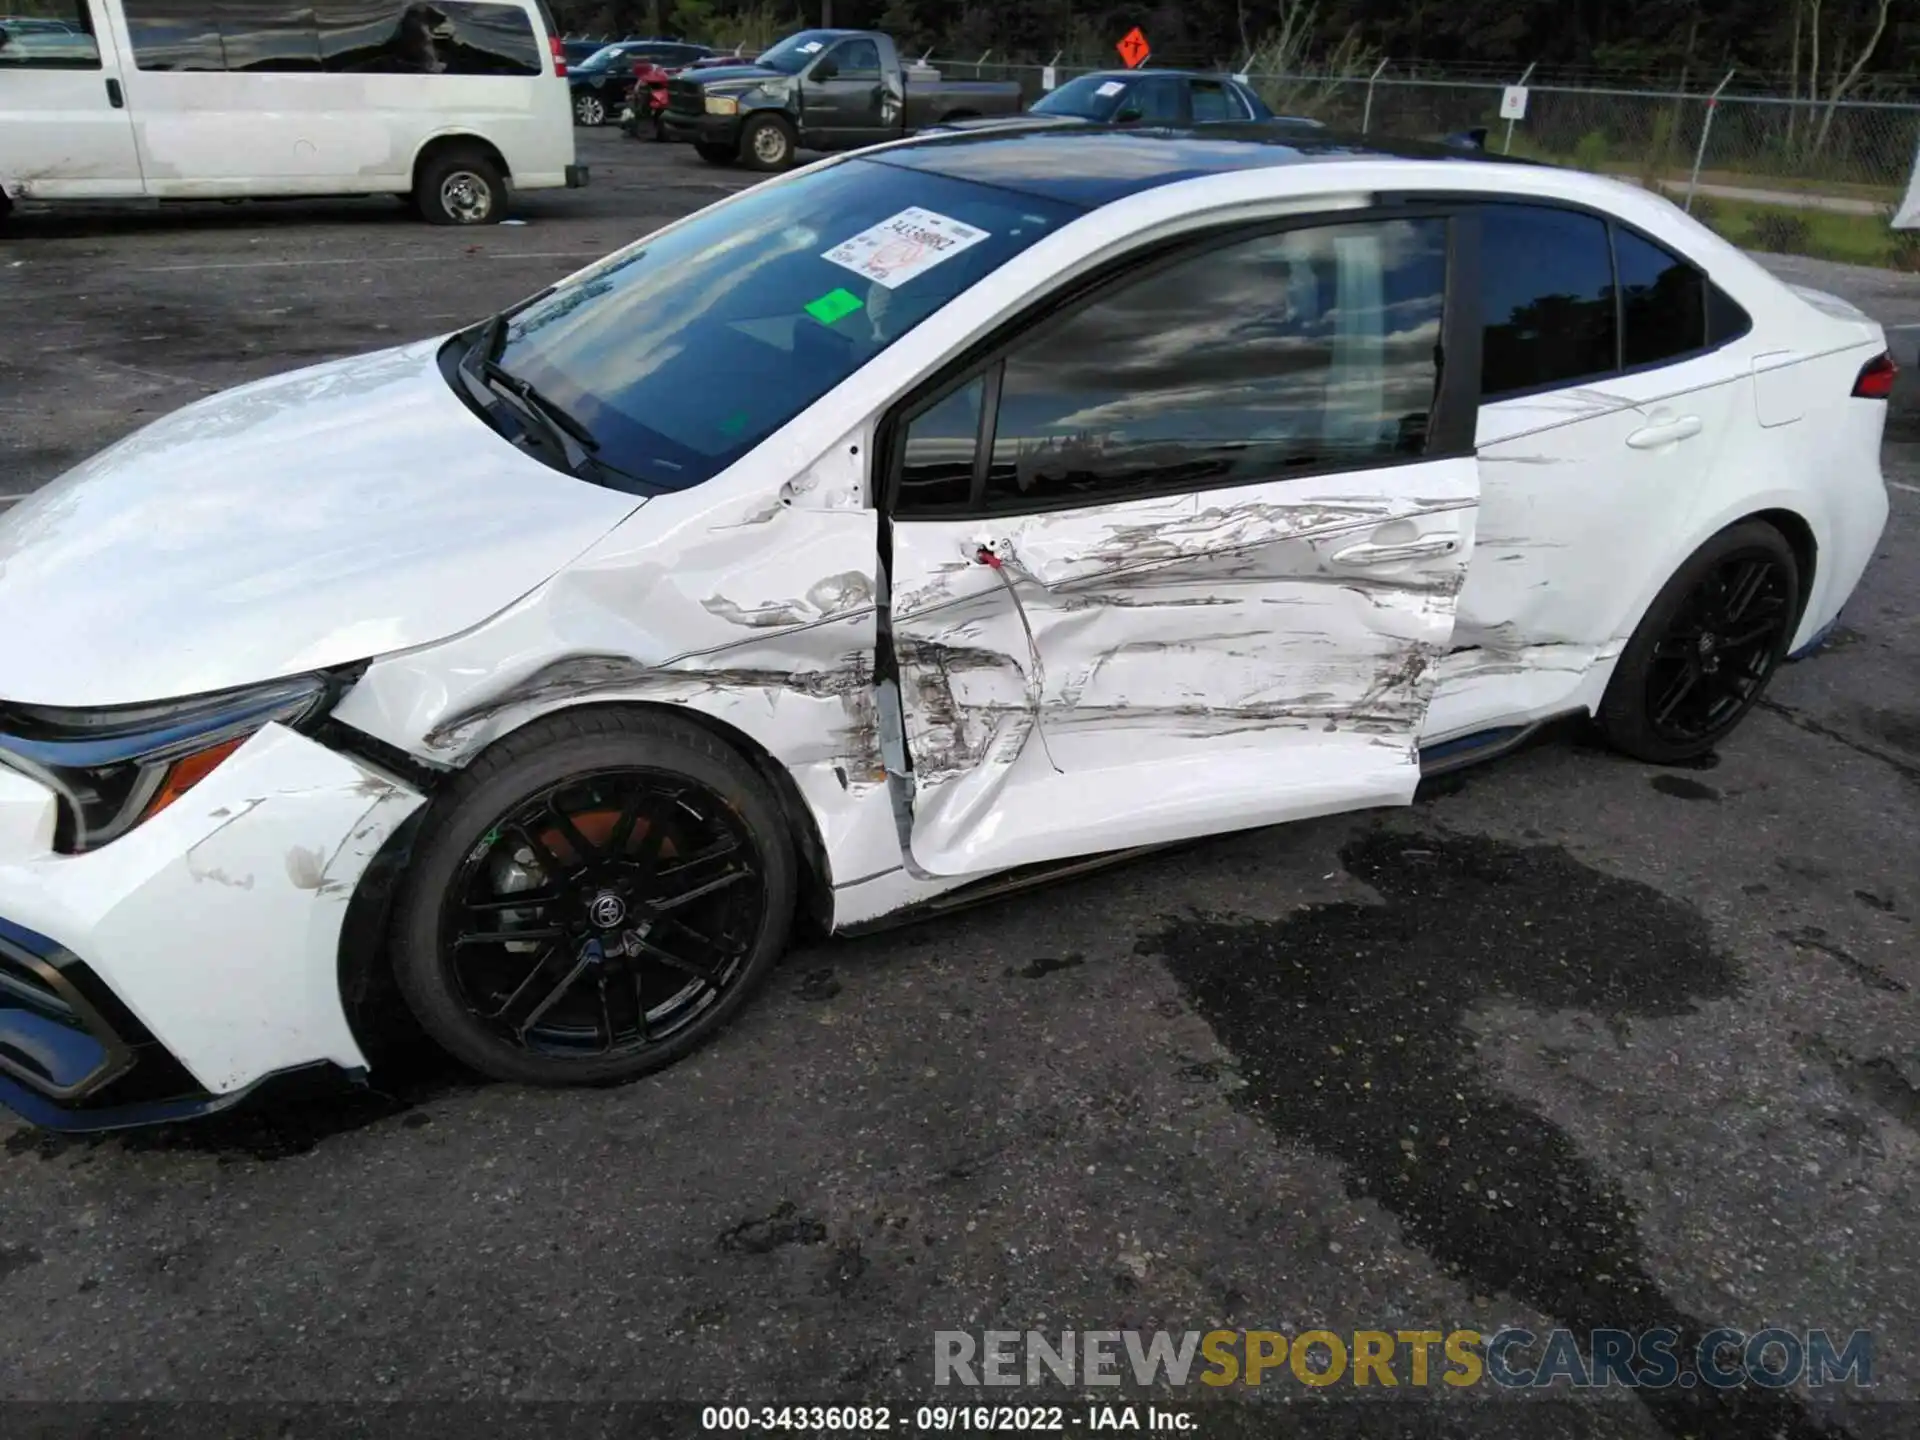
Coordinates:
(1571, 1042)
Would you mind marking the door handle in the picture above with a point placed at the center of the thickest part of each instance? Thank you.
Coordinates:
(114, 97)
(1426, 547)
(1668, 432)
(984, 550)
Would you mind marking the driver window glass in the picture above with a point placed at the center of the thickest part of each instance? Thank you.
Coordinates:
(1296, 353)
(1157, 100)
(59, 38)
(856, 57)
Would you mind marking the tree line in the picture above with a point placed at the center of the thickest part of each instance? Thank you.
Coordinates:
(1818, 49)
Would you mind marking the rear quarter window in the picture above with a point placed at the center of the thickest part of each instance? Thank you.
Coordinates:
(1663, 302)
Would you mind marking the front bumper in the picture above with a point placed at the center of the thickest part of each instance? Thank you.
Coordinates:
(172, 971)
(576, 177)
(702, 129)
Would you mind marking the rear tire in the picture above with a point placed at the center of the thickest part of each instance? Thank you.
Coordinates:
(589, 110)
(767, 144)
(1706, 648)
(673, 905)
(715, 154)
(460, 187)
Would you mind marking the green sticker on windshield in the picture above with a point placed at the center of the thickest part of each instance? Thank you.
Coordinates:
(735, 425)
(834, 305)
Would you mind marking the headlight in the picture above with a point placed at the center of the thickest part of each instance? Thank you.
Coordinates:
(722, 105)
(118, 766)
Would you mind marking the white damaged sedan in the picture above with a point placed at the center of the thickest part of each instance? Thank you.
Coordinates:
(917, 523)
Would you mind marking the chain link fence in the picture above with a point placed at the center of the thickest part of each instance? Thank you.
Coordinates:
(1772, 173)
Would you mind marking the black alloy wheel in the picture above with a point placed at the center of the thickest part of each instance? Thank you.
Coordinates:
(1720, 649)
(591, 908)
(1707, 648)
(607, 913)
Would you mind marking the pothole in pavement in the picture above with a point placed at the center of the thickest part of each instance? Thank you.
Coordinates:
(1348, 1025)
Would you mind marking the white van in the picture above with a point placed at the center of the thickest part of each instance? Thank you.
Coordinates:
(449, 102)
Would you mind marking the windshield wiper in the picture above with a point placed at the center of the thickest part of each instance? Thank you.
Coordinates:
(561, 430)
(538, 416)
(551, 412)
(543, 416)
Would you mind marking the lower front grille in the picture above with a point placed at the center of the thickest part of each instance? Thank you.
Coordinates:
(49, 1036)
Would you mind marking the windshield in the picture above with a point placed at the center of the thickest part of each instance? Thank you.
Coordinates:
(1091, 97)
(681, 354)
(796, 52)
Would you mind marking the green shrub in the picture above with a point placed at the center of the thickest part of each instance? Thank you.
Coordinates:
(1903, 249)
(1591, 152)
(1656, 161)
(1780, 231)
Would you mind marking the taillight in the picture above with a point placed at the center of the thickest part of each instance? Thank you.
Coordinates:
(559, 55)
(1876, 378)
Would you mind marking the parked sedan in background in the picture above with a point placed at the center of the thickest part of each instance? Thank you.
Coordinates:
(599, 85)
(1142, 97)
(937, 517)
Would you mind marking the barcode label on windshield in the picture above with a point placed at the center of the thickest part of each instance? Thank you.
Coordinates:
(911, 243)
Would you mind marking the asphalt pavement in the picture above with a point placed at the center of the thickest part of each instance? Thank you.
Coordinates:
(1571, 1042)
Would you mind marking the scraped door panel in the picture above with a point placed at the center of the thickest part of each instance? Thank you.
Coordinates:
(969, 691)
(1303, 609)
(1195, 663)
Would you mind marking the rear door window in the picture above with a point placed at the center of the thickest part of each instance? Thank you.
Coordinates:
(1546, 295)
(1663, 302)
(1215, 100)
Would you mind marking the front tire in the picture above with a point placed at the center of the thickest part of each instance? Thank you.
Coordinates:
(767, 144)
(1706, 648)
(592, 899)
(461, 187)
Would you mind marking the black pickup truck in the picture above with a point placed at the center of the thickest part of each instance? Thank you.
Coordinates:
(821, 90)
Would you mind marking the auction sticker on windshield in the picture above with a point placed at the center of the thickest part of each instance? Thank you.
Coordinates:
(911, 243)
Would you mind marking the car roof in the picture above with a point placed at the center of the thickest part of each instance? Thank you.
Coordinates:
(1178, 74)
(1096, 165)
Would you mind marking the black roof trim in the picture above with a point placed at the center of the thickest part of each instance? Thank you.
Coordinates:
(1094, 165)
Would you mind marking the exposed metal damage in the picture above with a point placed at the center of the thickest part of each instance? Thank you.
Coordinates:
(582, 678)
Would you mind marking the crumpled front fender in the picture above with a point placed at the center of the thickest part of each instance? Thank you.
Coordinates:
(217, 923)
